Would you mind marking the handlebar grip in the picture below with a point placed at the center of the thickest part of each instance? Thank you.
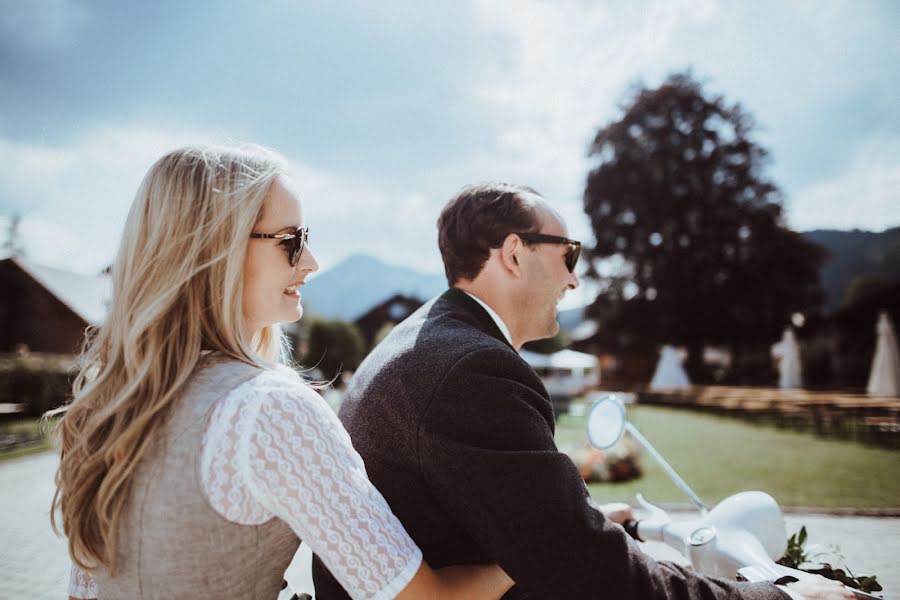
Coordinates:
(631, 528)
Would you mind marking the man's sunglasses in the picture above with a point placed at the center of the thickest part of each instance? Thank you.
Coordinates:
(572, 253)
(293, 242)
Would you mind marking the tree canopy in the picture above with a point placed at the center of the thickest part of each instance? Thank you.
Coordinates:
(334, 347)
(691, 247)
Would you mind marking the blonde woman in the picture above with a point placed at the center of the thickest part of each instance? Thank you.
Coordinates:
(192, 462)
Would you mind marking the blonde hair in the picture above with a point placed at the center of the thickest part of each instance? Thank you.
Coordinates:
(177, 290)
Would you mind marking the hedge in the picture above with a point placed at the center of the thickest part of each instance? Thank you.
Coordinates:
(39, 381)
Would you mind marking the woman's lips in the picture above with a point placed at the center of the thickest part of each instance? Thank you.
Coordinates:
(293, 290)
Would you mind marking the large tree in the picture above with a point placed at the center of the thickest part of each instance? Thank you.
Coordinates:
(691, 247)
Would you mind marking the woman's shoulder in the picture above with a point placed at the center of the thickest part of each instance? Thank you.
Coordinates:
(273, 396)
(276, 384)
(279, 376)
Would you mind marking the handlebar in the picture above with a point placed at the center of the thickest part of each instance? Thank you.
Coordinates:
(631, 528)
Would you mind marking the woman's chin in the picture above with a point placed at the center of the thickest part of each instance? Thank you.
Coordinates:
(293, 314)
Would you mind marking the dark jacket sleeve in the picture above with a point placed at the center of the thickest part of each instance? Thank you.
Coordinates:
(486, 447)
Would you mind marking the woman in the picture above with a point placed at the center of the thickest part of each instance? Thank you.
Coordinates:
(191, 460)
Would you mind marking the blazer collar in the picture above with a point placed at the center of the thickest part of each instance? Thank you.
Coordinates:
(485, 322)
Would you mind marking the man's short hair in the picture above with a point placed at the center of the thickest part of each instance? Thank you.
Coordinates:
(479, 218)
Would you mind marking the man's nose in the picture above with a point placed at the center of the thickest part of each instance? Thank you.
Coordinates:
(573, 281)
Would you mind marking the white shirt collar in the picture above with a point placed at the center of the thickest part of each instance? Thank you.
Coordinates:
(500, 324)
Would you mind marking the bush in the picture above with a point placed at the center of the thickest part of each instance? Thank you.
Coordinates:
(334, 346)
(817, 355)
(752, 367)
(39, 381)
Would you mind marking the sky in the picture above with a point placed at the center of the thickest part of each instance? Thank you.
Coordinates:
(386, 109)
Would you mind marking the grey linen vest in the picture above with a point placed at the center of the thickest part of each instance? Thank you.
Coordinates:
(172, 543)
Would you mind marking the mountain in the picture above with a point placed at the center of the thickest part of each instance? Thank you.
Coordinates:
(359, 282)
(853, 254)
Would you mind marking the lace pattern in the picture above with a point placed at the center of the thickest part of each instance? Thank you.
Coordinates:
(273, 448)
(81, 584)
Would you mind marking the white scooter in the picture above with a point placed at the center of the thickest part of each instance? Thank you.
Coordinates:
(740, 538)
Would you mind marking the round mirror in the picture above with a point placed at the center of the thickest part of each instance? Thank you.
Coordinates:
(606, 422)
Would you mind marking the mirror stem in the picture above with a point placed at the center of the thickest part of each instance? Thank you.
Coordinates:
(667, 468)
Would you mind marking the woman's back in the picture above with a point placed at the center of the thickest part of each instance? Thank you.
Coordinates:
(172, 543)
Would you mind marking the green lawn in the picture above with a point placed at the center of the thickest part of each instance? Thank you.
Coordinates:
(31, 435)
(717, 456)
(720, 456)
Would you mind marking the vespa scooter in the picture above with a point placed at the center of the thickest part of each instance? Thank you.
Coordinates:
(740, 538)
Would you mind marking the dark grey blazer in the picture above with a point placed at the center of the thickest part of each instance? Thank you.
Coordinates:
(456, 431)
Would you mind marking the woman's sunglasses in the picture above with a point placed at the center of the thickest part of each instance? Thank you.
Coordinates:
(572, 253)
(292, 242)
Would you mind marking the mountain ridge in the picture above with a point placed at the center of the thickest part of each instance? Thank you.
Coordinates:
(359, 282)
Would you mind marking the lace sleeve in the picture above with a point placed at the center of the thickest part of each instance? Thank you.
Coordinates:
(276, 448)
(81, 584)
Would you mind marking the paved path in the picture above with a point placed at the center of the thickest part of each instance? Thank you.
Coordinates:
(34, 563)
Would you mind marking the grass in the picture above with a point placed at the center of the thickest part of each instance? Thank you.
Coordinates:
(31, 436)
(719, 456)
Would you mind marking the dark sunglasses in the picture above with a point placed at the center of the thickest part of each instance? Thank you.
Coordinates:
(293, 242)
(572, 253)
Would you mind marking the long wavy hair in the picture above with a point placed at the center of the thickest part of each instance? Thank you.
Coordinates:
(177, 291)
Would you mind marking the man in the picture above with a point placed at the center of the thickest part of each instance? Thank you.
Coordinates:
(456, 429)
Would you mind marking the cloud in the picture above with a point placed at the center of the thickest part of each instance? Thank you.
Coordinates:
(73, 199)
(864, 195)
(563, 67)
(353, 215)
(40, 23)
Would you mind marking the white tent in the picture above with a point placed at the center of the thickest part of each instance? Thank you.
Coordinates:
(565, 373)
(787, 351)
(669, 373)
(884, 378)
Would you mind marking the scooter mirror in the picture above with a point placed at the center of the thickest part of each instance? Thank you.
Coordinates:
(606, 422)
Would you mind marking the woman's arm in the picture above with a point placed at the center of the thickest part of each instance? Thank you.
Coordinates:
(279, 450)
(487, 582)
(81, 585)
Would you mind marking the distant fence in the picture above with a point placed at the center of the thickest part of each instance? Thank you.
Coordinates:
(837, 414)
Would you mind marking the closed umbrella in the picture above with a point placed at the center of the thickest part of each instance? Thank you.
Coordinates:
(669, 373)
(884, 378)
(787, 351)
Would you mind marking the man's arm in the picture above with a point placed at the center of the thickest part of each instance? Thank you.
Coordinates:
(486, 447)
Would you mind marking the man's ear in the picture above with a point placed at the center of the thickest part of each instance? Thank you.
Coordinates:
(510, 252)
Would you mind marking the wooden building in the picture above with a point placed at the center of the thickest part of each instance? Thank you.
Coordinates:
(43, 309)
(384, 315)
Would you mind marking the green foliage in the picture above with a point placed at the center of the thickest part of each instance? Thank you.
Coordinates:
(382, 333)
(24, 436)
(795, 557)
(334, 346)
(680, 203)
(817, 355)
(549, 345)
(752, 366)
(852, 253)
(862, 287)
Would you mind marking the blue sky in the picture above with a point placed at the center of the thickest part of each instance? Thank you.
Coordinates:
(385, 109)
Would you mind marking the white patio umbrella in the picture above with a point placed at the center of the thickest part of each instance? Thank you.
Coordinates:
(787, 351)
(884, 378)
(669, 373)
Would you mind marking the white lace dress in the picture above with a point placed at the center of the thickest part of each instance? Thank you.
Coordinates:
(273, 447)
